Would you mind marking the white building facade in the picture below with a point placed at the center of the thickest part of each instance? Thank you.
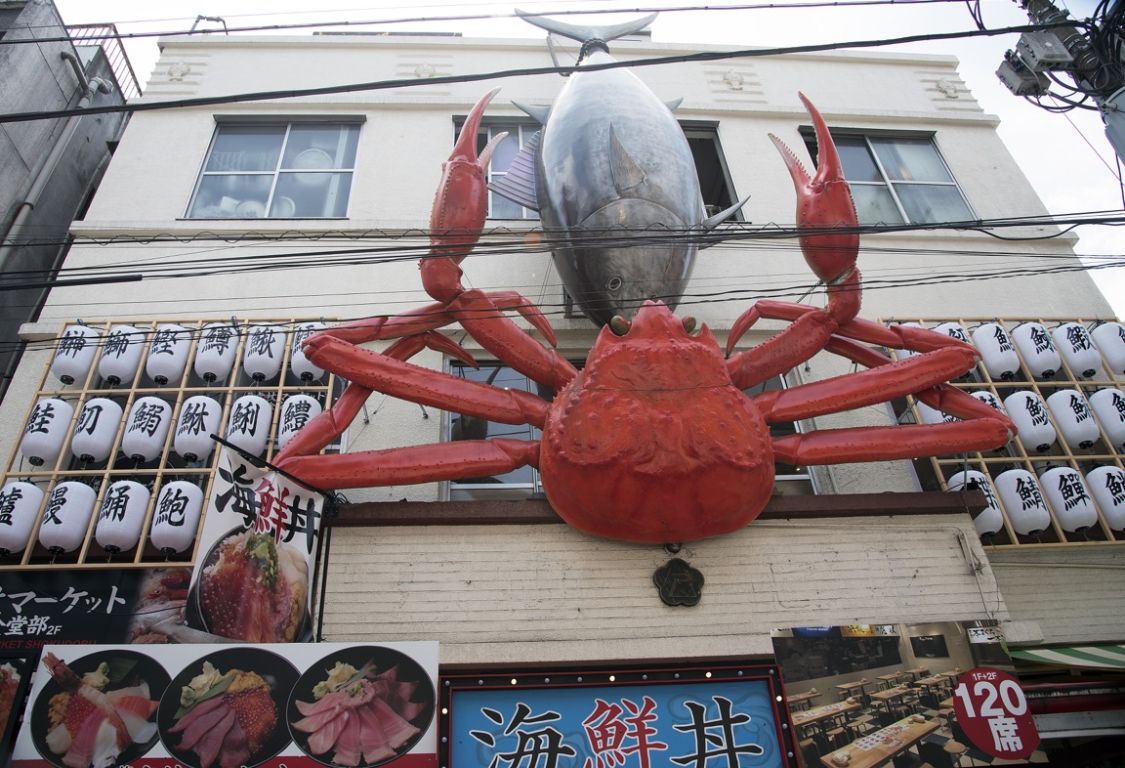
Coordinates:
(197, 189)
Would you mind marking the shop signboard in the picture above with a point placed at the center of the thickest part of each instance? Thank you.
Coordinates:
(271, 705)
(992, 710)
(718, 718)
(253, 575)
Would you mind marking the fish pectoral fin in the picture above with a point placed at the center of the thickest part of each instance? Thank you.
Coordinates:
(519, 182)
(674, 104)
(541, 114)
(626, 174)
(710, 223)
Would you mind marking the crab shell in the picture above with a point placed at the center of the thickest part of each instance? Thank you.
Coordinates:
(652, 442)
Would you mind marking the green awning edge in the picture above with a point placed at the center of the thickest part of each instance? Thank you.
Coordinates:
(1102, 656)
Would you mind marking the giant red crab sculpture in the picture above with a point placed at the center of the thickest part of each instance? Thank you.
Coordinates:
(653, 440)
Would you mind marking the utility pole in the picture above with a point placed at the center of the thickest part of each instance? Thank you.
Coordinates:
(1093, 60)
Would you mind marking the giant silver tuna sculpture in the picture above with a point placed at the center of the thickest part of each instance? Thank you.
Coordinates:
(613, 179)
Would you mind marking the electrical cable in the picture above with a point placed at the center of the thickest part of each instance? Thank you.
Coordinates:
(456, 17)
(414, 82)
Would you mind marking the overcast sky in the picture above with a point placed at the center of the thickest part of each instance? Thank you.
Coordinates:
(1066, 157)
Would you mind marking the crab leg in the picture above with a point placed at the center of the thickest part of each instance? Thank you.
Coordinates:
(426, 386)
(843, 446)
(843, 393)
(942, 397)
(417, 464)
(331, 424)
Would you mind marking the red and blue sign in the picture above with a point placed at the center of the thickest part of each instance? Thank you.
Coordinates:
(717, 722)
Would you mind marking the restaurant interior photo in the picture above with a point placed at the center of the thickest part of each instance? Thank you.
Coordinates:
(866, 695)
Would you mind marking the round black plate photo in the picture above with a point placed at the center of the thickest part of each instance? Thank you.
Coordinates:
(126, 669)
(399, 699)
(209, 727)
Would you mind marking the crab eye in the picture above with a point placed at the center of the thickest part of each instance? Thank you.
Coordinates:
(619, 325)
(689, 324)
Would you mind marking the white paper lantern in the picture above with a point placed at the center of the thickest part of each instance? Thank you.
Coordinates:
(95, 429)
(988, 398)
(1109, 338)
(1077, 348)
(1029, 413)
(176, 517)
(74, 353)
(19, 504)
(199, 419)
(121, 354)
(45, 431)
(997, 351)
(1108, 486)
(902, 354)
(1039, 353)
(168, 354)
(1074, 419)
(249, 424)
(146, 429)
(1069, 498)
(296, 412)
(298, 363)
(990, 520)
(214, 355)
(932, 415)
(265, 345)
(1023, 502)
(66, 517)
(121, 516)
(1109, 407)
(954, 331)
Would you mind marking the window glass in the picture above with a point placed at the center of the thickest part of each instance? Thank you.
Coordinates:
(856, 159)
(875, 205)
(926, 202)
(463, 427)
(910, 160)
(286, 170)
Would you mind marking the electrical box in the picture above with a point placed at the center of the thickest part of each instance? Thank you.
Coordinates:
(1019, 79)
(1042, 50)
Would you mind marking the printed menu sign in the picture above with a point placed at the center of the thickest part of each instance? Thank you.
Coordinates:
(210, 706)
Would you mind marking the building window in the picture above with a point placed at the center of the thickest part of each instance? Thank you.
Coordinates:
(518, 134)
(277, 171)
(714, 180)
(897, 180)
(523, 482)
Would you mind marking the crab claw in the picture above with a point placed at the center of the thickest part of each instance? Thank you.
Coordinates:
(823, 201)
(459, 209)
(461, 201)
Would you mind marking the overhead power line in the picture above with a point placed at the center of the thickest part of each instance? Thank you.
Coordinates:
(352, 24)
(380, 85)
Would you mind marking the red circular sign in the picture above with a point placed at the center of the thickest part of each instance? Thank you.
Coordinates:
(992, 711)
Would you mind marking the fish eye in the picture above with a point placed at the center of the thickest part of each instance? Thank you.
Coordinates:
(619, 325)
(614, 284)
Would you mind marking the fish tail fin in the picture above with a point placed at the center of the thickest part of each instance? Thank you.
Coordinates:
(587, 33)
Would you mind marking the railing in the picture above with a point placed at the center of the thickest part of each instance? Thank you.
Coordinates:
(106, 37)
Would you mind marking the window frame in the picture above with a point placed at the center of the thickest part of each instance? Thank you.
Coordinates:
(287, 122)
(808, 134)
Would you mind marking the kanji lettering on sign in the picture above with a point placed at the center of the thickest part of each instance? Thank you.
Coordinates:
(537, 744)
(618, 731)
(715, 740)
(1072, 490)
(191, 420)
(992, 711)
(164, 342)
(72, 342)
(261, 341)
(239, 494)
(1028, 493)
(146, 418)
(88, 419)
(245, 418)
(40, 419)
(216, 337)
(116, 344)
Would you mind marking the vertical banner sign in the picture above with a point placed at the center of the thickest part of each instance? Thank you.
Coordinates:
(253, 577)
(991, 707)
